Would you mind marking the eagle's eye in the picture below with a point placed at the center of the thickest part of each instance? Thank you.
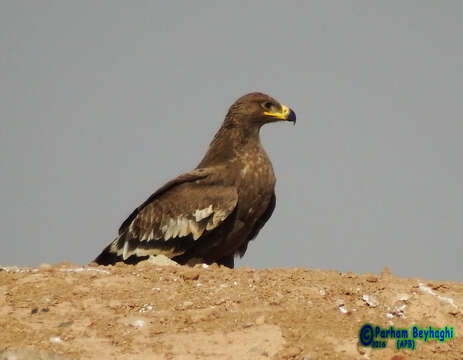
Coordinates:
(267, 105)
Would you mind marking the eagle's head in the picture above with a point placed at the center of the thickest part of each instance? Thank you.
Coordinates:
(256, 109)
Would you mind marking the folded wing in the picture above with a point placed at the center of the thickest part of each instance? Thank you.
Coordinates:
(176, 216)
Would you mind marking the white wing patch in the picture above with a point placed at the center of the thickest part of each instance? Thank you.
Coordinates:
(126, 253)
(195, 224)
(183, 226)
(219, 216)
(164, 217)
(172, 228)
(203, 213)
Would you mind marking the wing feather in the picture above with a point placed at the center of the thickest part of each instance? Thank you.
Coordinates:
(176, 216)
(194, 175)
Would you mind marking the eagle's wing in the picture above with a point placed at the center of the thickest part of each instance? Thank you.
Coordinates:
(174, 217)
(259, 224)
(194, 175)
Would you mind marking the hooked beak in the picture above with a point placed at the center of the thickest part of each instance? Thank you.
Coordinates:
(285, 114)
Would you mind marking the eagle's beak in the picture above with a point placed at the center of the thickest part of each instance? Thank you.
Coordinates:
(285, 114)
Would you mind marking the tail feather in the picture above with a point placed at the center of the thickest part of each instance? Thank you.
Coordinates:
(111, 254)
(132, 251)
(107, 257)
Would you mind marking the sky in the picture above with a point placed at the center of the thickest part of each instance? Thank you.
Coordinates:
(103, 102)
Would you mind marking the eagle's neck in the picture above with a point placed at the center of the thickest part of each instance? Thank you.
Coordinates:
(229, 142)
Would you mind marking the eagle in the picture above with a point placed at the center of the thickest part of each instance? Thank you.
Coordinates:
(210, 214)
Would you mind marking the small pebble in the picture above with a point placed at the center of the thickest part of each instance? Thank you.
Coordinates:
(191, 275)
(66, 324)
(260, 320)
(56, 340)
(187, 304)
(137, 323)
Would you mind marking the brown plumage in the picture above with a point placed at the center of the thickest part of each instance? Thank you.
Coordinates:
(210, 213)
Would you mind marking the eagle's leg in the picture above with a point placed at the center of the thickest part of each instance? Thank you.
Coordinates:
(228, 261)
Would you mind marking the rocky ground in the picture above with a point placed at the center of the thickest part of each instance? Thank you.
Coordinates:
(150, 311)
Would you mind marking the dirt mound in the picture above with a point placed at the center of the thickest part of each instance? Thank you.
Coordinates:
(174, 312)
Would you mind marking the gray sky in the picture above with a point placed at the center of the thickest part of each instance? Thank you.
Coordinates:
(102, 102)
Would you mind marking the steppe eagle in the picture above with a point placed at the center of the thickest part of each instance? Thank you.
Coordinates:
(212, 212)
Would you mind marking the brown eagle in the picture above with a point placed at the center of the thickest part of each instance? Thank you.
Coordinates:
(210, 213)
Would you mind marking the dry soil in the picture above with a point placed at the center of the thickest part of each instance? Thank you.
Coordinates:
(149, 311)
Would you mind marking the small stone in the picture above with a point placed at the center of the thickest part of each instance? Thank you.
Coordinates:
(370, 300)
(187, 304)
(191, 275)
(138, 323)
(260, 320)
(403, 297)
(66, 324)
(34, 311)
(372, 278)
(398, 357)
(65, 264)
(56, 340)
(145, 308)
(290, 352)
(386, 272)
(160, 260)
(361, 350)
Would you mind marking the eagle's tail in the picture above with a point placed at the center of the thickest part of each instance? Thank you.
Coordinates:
(107, 257)
(113, 253)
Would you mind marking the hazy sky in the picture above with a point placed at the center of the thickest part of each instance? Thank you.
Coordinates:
(104, 101)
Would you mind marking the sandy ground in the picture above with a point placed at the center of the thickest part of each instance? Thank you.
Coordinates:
(150, 311)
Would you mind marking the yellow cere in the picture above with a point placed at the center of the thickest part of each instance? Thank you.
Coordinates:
(280, 115)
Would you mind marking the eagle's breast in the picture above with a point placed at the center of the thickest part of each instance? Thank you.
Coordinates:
(256, 183)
